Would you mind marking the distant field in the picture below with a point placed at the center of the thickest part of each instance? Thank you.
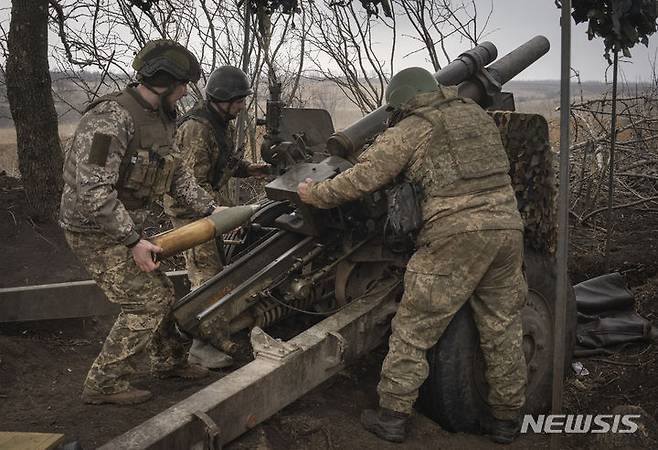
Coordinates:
(342, 116)
(541, 97)
(8, 155)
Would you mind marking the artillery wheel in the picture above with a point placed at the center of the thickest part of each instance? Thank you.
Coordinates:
(454, 393)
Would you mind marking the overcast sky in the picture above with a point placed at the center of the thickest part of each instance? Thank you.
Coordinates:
(515, 21)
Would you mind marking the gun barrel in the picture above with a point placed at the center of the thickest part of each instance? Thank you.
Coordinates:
(463, 71)
(506, 67)
(202, 230)
(519, 59)
(467, 64)
(463, 67)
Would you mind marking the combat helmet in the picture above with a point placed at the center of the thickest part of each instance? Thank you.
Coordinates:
(163, 62)
(227, 83)
(407, 83)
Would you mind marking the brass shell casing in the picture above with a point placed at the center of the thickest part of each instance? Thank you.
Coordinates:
(183, 238)
(202, 230)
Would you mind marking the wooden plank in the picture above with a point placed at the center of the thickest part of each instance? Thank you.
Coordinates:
(11, 440)
(65, 300)
(280, 373)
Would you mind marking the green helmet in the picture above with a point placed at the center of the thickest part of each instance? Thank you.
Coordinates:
(165, 55)
(227, 83)
(407, 83)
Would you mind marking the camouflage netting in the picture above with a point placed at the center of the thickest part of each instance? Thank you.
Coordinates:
(525, 137)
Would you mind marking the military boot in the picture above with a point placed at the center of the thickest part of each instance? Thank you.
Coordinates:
(385, 423)
(131, 396)
(502, 431)
(187, 372)
(208, 356)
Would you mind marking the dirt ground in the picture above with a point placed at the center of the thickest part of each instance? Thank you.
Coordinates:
(43, 365)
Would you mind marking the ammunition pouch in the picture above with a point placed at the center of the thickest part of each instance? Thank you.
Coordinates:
(404, 216)
(147, 175)
(164, 176)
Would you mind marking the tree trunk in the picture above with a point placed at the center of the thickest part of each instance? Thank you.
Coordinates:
(32, 107)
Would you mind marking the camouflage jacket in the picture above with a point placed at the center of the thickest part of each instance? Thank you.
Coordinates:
(212, 163)
(407, 149)
(90, 198)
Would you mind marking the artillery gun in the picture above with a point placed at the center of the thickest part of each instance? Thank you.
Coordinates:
(339, 264)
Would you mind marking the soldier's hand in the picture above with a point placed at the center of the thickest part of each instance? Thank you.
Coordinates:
(304, 190)
(143, 255)
(258, 170)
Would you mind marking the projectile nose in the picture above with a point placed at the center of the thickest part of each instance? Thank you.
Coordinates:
(231, 218)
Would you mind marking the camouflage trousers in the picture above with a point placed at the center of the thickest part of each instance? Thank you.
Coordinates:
(485, 269)
(202, 262)
(144, 325)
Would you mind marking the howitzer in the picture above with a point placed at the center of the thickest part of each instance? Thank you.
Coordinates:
(336, 263)
(267, 279)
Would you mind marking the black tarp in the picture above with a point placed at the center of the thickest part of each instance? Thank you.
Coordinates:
(607, 316)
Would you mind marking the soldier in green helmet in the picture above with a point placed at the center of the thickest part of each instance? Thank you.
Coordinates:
(206, 139)
(122, 157)
(469, 249)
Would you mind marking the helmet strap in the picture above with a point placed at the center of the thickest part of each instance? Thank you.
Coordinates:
(222, 112)
(167, 112)
(397, 114)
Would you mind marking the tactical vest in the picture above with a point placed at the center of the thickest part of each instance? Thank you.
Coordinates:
(227, 162)
(147, 168)
(465, 152)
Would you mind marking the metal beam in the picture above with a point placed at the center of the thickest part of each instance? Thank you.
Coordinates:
(281, 373)
(64, 300)
(559, 326)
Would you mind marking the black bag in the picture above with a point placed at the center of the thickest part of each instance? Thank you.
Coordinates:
(404, 215)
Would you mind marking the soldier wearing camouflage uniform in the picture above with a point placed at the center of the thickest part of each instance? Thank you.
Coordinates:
(206, 139)
(469, 249)
(121, 159)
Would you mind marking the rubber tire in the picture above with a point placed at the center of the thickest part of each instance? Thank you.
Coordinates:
(454, 393)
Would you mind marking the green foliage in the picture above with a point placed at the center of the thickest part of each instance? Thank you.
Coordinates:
(621, 23)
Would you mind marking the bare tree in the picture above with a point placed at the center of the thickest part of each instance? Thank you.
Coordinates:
(440, 23)
(635, 168)
(344, 35)
(291, 42)
(32, 107)
(343, 48)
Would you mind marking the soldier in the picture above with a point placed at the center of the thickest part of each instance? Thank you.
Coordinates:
(205, 137)
(121, 159)
(469, 249)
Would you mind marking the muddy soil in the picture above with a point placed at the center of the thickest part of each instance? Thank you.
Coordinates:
(43, 365)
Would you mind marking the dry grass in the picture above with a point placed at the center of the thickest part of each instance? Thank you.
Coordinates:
(8, 155)
(8, 159)
(7, 136)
